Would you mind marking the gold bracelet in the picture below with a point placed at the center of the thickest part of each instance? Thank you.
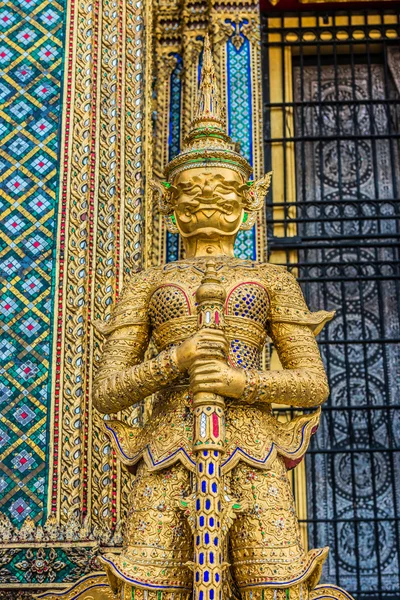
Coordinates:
(251, 390)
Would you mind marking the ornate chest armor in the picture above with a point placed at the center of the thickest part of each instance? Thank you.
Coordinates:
(162, 306)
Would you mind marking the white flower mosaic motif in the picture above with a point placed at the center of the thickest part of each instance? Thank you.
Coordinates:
(20, 110)
(26, 36)
(30, 327)
(5, 54)
(44, 90)
(6, 18)
(14, 224)
(148, 491)
(16, 185)
(41, 127)
(48, 53)
(27, 370)
(49, 17)
(32, 285)
(23, 461)
(39, 204)
(10, 265)
(19, 146)
(19, 509)
(42, 164)
(24, 415)
(35, 244)
(142, 526)
(24, 72)
(28, 3)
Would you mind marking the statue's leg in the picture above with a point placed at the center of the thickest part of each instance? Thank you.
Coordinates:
(329, 592)
(157, 539)
(268, 558)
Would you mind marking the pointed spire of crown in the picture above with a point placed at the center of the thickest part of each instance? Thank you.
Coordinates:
(208, 143)
(208, 104)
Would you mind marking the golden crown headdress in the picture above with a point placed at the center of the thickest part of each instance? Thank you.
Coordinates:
(208, 145)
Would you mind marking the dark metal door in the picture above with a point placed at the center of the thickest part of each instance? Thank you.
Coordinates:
(342, 119)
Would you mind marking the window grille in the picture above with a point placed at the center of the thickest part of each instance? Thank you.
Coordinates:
(332, 116)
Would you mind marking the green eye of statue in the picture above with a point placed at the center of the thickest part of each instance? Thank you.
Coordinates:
(173, 219)
(166, 184)
(245, 217)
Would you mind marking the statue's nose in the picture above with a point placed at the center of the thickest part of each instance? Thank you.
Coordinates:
(208, 191)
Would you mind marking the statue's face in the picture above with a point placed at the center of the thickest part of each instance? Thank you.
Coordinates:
(208, 202)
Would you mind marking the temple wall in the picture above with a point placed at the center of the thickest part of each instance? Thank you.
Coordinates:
(96, 98)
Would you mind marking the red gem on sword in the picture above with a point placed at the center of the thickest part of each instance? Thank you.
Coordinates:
(215, 424)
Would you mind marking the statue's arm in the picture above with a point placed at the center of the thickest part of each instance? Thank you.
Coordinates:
(123, 378)
(292, 327)
(302, 381)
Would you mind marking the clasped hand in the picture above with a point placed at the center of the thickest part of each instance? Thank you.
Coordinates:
(204, 357)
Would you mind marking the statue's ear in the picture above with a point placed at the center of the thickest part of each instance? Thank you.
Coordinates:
(256, 192)
(162, 195)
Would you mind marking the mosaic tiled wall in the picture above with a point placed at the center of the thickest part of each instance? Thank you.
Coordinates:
(31, 73)
(240, 127)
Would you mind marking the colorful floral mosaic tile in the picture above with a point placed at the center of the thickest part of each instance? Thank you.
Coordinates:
(31, 65)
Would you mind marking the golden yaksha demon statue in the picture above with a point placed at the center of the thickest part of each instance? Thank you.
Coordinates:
(212, 514)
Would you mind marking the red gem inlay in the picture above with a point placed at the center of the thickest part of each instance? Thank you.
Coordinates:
(215, 424)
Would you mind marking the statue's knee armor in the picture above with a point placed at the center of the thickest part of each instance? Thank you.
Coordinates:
(295, 592)
(265, 545)
(157, 538)
(129, 592)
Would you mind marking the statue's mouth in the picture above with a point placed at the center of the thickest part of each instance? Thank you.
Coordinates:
(210, 232)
